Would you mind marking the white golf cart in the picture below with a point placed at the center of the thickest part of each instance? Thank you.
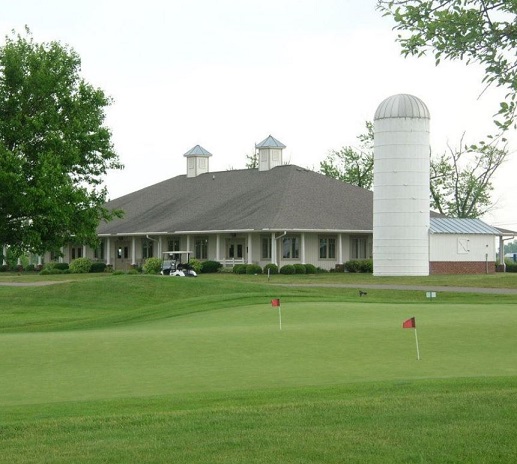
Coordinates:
(176, 264)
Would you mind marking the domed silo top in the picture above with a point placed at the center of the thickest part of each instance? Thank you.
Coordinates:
(402, 106)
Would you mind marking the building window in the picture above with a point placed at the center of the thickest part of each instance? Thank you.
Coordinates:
(98, 253)
(291, 247)
(147, 248)
(358, 248)
(77, 252)
(201, 248)
(173, 244)
(266, 248)
(327, 248)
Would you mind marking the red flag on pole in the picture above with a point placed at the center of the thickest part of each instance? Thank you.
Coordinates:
(409, 324)
(275, 302)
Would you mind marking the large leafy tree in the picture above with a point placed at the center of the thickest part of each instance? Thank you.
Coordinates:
(477, 31)
(461, 178)
(352, 165)
(54, 147)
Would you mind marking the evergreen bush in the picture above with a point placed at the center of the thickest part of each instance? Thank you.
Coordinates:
(300, 268)
(273, 268)
(287, 269)
(239, 269)
(211, 267)
(98, 267)
(253, 269)
(310, 269)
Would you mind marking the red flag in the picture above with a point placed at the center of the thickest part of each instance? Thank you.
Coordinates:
(409, 324)
(275, 302)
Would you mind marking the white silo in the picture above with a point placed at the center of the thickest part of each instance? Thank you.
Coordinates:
(401, 187)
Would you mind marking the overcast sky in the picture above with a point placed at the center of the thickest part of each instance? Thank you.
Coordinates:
(227, 73)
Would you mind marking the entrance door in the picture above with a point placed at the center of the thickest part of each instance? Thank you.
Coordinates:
(122, 255)
(235, 250)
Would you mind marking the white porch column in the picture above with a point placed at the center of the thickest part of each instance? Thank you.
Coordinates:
(133, 251)
(108, 251)
(501, 250)
(160, 247)
(84, 251)
(61, 257)
(188, 243)
(273, 249)
(340, 248)
(302, 246)
(250, 249)
(40, 260)
(218, 247)
(4, 255)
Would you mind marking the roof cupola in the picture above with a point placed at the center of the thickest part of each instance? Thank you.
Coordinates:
(197, 161)
(269, 153)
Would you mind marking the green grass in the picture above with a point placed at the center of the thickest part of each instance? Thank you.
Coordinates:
(148, 369)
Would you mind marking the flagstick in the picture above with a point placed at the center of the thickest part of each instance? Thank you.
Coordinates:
(280, 316)
(417, 350)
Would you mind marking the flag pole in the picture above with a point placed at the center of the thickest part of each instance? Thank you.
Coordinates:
(417, 350)
(280, 316)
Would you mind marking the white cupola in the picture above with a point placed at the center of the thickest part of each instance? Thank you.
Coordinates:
(197, 161)
(269, 153)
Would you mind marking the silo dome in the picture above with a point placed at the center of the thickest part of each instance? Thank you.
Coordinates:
(402, 106)
(401, 187)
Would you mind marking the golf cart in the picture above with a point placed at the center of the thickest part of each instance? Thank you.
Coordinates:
(176, 264)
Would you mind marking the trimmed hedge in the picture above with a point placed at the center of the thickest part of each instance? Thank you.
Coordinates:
(300, 268)
(273, 268)
(211, 267)
(98, 267)
(287, 269)
(359, 265)
(310, 269)
(253, 269)
(239, 269)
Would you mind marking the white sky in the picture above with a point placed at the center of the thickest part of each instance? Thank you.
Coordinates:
(227, 73)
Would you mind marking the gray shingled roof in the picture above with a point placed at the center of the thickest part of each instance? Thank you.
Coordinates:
(461, 226)
(283, 198)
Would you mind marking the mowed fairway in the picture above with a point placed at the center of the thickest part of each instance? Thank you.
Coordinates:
(218, 381)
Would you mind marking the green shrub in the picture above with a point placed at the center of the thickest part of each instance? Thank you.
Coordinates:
(300, 269)
(321, 270)
(287, 269)
(98, 267)
(271, 267)
(56, 265)
(30, 268)
(196, 265)
(211, 267)
(367, 266)
(239, 269)
(4, 268)
(511, 266)
(80, 265)
(253, 269)
(352, 265)
(152, 266)
(310, 269)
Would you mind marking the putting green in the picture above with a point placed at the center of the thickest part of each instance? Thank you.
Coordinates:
(243, 348)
